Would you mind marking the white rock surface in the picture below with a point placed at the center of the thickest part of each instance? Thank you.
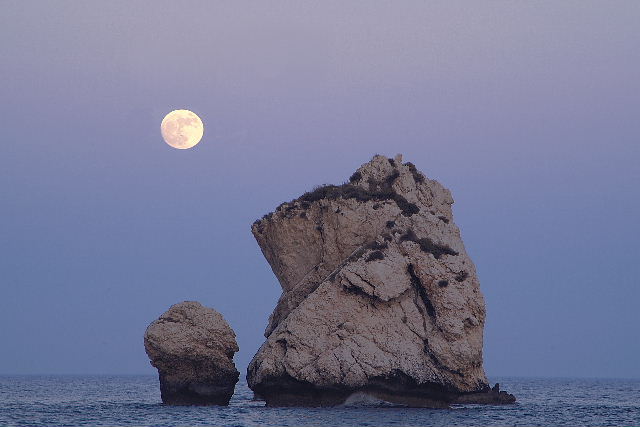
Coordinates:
(379, 296)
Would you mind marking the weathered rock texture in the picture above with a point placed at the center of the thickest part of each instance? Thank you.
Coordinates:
(192, 347)
(379, 296)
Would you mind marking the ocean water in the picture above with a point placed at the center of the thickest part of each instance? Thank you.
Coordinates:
(135, 400)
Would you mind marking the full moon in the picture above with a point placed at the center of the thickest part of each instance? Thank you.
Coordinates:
(182, 129)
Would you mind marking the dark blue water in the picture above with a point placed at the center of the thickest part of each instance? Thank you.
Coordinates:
(135, 400)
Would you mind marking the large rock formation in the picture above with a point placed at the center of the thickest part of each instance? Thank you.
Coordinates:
(193, 346)
(379, 296)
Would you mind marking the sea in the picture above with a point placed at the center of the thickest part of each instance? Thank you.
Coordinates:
(135, 401)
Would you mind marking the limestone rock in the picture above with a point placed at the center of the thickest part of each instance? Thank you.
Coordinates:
(192, 347)
(379, 296)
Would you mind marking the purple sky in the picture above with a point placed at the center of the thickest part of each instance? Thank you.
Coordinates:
(527, 111)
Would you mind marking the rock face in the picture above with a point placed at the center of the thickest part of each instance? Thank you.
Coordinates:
(192, 347)
(379, 296)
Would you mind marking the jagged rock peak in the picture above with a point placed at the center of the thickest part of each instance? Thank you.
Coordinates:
(192, 347)
(379, 296)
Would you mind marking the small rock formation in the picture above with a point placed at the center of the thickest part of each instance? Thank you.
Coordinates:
(192, 347)
(379, 296)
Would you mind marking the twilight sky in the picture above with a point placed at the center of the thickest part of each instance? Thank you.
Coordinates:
(527, 111)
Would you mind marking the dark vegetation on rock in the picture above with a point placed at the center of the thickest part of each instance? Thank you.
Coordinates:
(391, 178)
(377, 191)
(427, 245)
(461, 276)
(375, 245)
(349, 191)
(417, 176)
(375, 255)
(444, 219)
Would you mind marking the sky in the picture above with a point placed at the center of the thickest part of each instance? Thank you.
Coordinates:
(526, 111)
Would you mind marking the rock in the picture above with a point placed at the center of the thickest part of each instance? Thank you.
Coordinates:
(379, 296)
(192, 347)
(489, 397)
